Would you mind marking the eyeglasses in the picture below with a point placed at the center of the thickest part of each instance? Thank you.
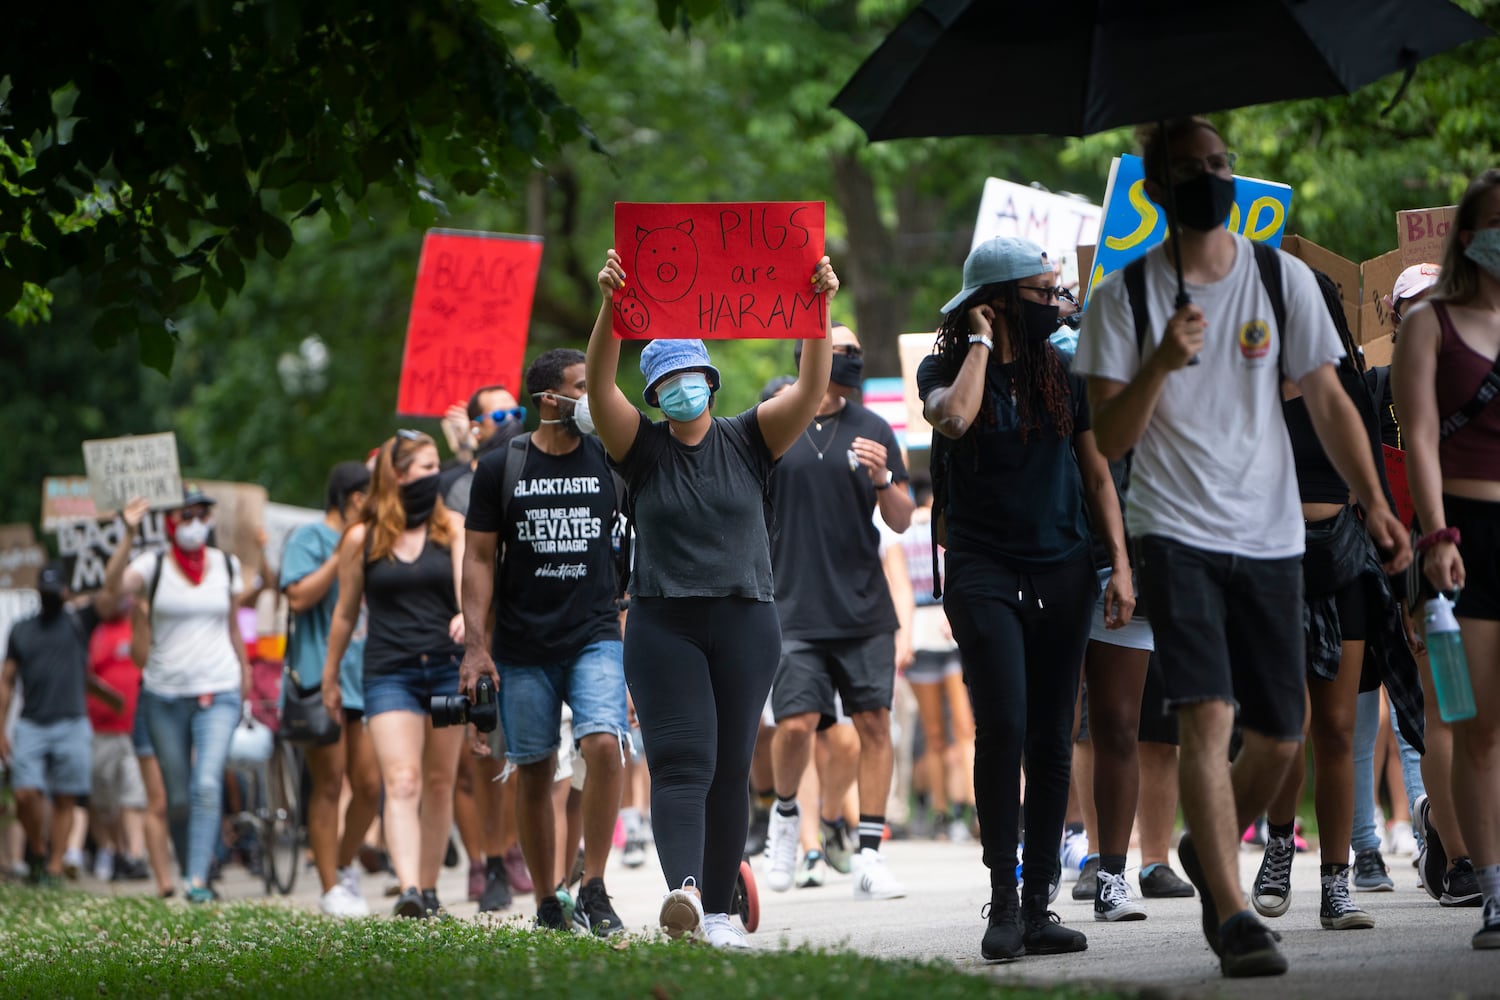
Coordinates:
(1047, 292)
(849, 350)
(501, 416)
(1185, 168)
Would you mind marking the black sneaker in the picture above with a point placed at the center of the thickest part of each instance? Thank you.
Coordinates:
(431, 908)
(1042, 931)
(1159, 881)
(1461, 885)
(1087, 886)
(550, 917)
(1249, 949)
(1002, 936)
(1271, 894)
(1188, 855)
(1432, 859)
(760, 825)
(1370, 872)
(450, 856)
(409, 904)
(496, 894)
(594, 902)
(1339, 912)
(131, 870)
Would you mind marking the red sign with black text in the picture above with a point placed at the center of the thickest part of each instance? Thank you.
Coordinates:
(469, 318)
(723, 271)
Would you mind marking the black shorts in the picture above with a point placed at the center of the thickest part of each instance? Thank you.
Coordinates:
(1353, 607)
(1228, 628)
(1478, 523)
(862, 671)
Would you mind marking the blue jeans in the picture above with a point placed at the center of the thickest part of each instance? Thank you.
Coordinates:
(192, 746)
(531, 697)
(1366, 726)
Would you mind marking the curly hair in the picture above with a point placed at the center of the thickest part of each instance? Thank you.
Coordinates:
(385, 515)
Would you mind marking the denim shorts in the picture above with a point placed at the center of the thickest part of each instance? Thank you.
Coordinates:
(1134, 635)
(140, 739)
(411, 686)
(531, 699)
(53, 757)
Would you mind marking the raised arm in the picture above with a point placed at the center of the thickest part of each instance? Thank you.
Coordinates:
(615, 419)
(783, 418)
(119, 578)
(1414, 389)
(951, 409)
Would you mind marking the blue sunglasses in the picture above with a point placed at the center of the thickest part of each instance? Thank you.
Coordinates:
(514, 413)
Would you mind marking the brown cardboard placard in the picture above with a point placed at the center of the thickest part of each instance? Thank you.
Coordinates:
(140, 465)
(1378, 351)
(1379, 276)
(1421, 232)
(1085, 267)
(1344, 272)
(239, 514)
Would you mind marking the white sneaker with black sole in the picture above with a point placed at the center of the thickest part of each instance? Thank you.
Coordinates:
(872, 879)
(1112, 900)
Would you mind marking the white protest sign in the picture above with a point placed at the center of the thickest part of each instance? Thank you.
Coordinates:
(144, 465)
(1058, 223)
(280, 520)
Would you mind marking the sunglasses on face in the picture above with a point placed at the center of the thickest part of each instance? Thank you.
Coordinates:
(1047, 292)
(513, 413)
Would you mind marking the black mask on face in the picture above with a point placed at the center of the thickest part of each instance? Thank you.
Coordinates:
(52, 603)
(847, 371)
(419, 497)
(1038, 321)
(1203, 203)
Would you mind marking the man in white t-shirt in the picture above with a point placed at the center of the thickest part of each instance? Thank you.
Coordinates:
(1213, 504)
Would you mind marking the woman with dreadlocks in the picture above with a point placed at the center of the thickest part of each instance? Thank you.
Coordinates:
(1013, 462)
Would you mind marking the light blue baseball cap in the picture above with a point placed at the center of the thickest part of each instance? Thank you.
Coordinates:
(664, 358)
(1004, 258)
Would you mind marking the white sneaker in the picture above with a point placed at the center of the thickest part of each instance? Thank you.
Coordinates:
(72, 863)
(104, 865)
(1401, 838)
(340, 902)
(682, 910)
(349, 879)
(872, 879)
(781, 850)
(1075, 847)
(720, 932)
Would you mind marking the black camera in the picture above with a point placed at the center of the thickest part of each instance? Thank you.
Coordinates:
(458, 709)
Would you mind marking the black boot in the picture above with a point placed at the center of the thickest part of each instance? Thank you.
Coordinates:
(1042, 933)
(1002, 938)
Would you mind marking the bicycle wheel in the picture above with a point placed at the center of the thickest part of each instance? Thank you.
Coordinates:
(281, 827)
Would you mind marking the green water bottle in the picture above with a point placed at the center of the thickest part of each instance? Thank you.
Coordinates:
(1450, 668)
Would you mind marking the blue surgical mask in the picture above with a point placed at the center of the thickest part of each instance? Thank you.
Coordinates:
(684, 397)
(1484, 250)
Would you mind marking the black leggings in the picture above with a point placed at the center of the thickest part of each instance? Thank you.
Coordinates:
(699, 670)
(1021, 636)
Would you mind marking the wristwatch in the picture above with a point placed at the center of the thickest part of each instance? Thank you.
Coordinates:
(890, 477)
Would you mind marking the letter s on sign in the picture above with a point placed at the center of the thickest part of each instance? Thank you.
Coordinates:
(1146, 210)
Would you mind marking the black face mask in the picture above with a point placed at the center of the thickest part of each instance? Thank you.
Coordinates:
(1203, 203)
(847, 371)
(52, 603)
(419, 497)
(1038, 321)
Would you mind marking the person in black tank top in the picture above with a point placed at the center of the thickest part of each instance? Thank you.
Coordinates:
(403, 559)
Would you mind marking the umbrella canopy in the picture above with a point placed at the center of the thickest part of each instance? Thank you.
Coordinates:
(1074, 67)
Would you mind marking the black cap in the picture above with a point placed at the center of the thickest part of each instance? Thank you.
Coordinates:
(192, 495)
(343, 479)
(50, 579)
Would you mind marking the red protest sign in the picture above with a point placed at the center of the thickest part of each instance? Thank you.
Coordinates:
(725, 271)
(469, 317)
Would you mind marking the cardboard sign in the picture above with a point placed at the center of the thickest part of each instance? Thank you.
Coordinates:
(886, 398)
(85, 546)
(1378, 352)
(1344, 272)
(469, 316)
(724, 271)
(66, 499)
(1133, 223)
(914, 347)
(279, 521)
(1057, 223)
(1421, 233)
(120, 469)
(1378, 277)
(21, 558)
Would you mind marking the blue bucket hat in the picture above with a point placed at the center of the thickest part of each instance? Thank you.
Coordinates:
(664, 358)
(1004, 258)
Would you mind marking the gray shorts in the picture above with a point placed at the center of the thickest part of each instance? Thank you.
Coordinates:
(862, 672)
(52, 756)
(116, 774)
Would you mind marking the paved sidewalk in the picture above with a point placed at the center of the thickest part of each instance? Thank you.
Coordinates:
(1417, 949)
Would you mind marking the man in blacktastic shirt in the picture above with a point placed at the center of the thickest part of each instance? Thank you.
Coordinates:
(542, 559)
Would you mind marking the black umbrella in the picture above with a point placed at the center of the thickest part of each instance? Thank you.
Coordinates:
(1073, 67)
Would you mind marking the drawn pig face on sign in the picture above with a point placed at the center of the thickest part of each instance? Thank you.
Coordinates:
(666, 261)
(632, 311)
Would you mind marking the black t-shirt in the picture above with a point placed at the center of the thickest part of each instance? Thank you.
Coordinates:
(52, 661)
(555, 577)
(1018, 502)
(700, 517)
(411, 605)
(826, 550)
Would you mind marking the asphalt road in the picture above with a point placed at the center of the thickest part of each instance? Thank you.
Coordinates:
(1417, 949)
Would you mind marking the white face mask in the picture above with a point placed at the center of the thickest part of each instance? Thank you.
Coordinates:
(192, 535)
(581, 415)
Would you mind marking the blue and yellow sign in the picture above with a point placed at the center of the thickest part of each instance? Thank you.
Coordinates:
(1133, 223)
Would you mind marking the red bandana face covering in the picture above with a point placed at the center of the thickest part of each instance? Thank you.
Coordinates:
(191, 563)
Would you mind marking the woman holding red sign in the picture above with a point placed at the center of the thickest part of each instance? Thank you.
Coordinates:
(703, 640)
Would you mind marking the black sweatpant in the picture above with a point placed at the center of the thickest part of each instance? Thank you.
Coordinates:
(699, 670)
(1021, 637)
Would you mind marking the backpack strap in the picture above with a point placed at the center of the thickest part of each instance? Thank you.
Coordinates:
(1268, 262)
(516, 451)
(1135, 293)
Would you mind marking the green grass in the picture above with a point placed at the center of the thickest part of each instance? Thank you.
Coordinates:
(69, 944)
